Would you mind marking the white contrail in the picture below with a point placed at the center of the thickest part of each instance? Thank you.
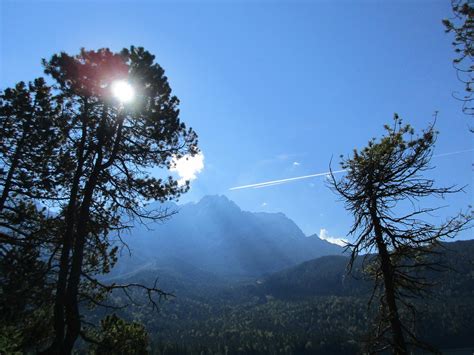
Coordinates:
(453, 153)
(284, 181)
(278, 182)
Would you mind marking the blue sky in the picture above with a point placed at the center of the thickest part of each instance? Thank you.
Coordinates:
(273, 88)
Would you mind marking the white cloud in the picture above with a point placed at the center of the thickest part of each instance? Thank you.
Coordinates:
(296, 163)
(264, 204)
(324, 235)
(187, 167)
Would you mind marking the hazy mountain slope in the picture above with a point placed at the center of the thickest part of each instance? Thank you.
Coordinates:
(327, 276)
(216, 236)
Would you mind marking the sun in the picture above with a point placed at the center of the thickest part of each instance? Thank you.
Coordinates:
(123, 91)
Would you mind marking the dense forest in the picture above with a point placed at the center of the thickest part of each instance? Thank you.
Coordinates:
(314, 307)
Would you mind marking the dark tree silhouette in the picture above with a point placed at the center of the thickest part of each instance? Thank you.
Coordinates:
(31, 135)
(111, 146)
(29, 138)
(462, 26)
(76, 149)
(383, 180)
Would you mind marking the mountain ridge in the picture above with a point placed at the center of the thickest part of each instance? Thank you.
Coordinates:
(327, 275)
(217, 236)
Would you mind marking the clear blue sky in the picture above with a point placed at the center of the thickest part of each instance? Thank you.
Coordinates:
(270, 83)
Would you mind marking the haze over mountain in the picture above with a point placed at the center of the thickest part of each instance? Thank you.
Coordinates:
(216, 236)
(328, 275)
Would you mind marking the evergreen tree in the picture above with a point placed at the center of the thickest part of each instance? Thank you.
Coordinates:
(30, 137)
(382, 180)
(462, 26)
(29, 144)
(112, 147)
(117, 336)
(75, 149)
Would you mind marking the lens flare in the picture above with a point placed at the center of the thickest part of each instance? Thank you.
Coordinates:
(123, 91)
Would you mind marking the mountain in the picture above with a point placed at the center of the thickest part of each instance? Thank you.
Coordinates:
(328, 276)
(214, 235)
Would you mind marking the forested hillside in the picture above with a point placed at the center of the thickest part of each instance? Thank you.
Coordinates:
(314, 307)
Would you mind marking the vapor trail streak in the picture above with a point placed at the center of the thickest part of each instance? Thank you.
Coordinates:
(453, 153)
(283, 181)
(278, 182)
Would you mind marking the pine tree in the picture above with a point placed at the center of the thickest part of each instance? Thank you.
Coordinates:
(382, 180)
(462, 26)
(78, 161)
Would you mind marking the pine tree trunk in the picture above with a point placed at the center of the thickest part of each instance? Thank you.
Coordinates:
(59, 323)
(73, 320)
(68, 316)
(60, 298)
(399, 345)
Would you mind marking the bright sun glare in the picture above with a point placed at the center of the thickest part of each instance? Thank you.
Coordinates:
(123, 91)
